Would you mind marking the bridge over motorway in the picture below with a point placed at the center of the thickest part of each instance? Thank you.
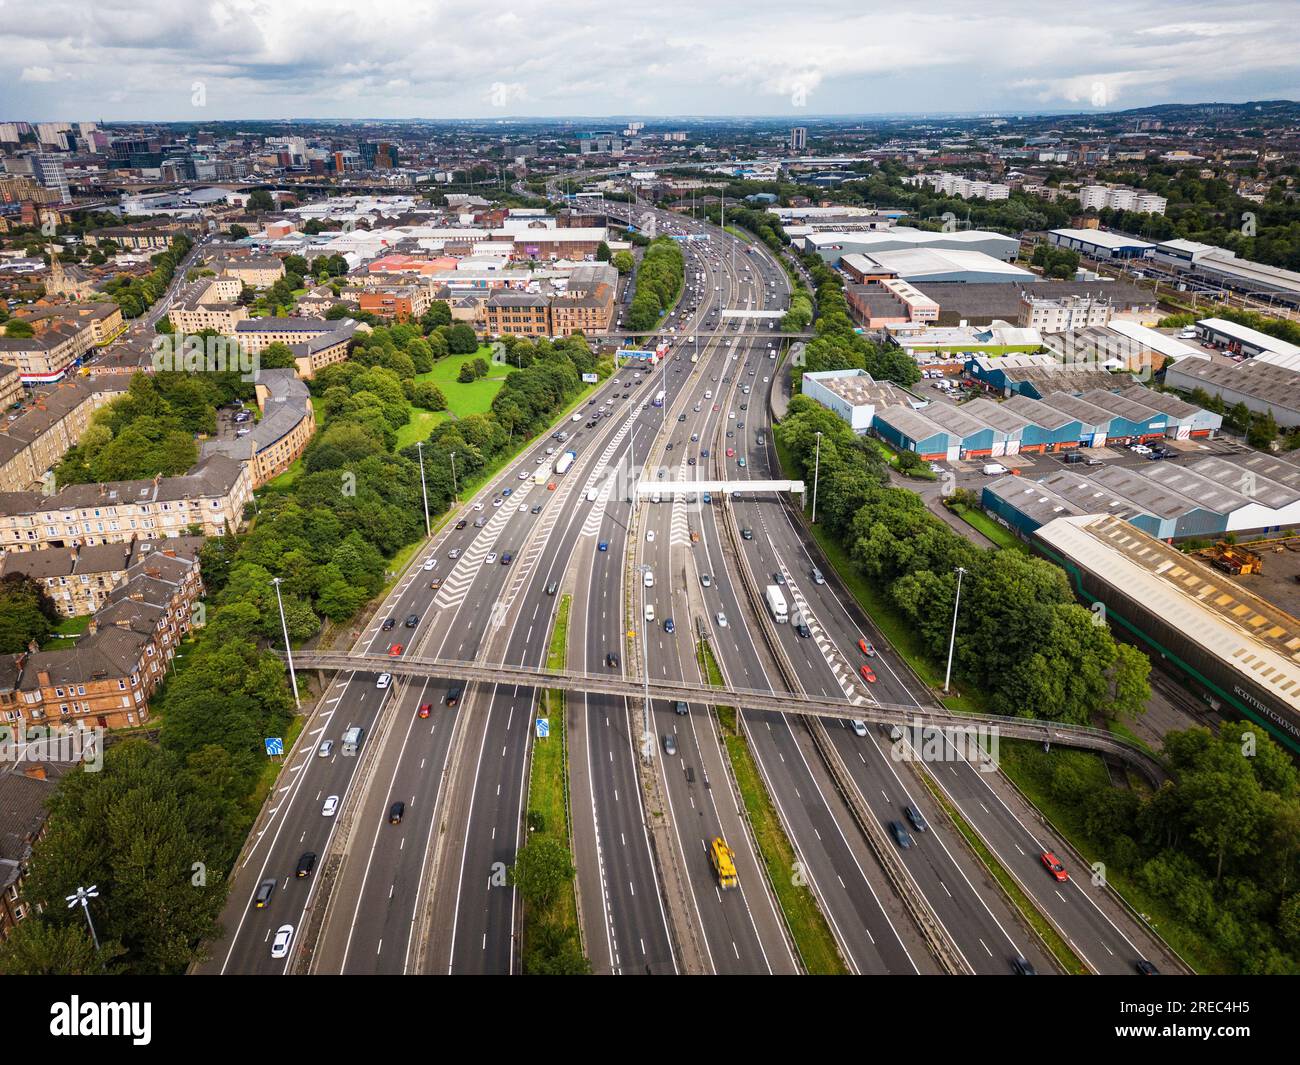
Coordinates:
(730, 334)
(907, 715)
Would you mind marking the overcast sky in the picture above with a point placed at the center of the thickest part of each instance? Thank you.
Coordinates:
(228, 59)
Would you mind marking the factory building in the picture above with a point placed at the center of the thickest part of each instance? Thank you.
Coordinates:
(1100, 245)
(1237, 648)
(1263, 386)
(834, 245)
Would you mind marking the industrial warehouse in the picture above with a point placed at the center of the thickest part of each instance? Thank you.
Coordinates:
(1239, 649)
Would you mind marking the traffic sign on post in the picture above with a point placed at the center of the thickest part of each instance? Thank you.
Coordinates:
(274, 746)
(543, 727)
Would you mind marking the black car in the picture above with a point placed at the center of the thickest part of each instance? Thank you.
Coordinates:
(612, 660)
(916, 817)
(389, 623)
(680, 707)
(412, 621)
(901, 836)
(747, 534)
(306, 864)
(264, 891)
(1146, 968)
(453, 696)
(1022, 968)
(461, 524)
(395, 813)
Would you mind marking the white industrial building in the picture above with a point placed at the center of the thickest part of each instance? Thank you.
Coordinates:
(832, 246)
(1100, 244)
(854, 395)
(933, 264)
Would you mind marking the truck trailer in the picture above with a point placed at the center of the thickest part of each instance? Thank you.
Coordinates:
(776, 604)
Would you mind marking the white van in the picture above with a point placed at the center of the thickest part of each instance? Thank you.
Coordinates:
(649, 611)
(994, 469)
(591, 495)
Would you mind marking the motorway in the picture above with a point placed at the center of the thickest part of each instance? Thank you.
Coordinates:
(429, 894)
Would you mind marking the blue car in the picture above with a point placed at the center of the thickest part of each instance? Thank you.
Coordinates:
(603, 545)
(669, 626)
(507, 491)
(708, 498)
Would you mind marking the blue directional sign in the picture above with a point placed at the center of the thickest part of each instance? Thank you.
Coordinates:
(543, 727)
(274, 746)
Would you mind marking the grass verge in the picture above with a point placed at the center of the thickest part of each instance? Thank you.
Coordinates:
(982, 523)
(812, 935)
(472, 398)
(548, 789)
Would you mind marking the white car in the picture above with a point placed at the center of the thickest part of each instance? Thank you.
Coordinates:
(383, 680)
(454, 553)
(705, 580)
(331, 805)
(649, 536)
(521, 508)
(523, 475)
(1140, 449)
(280, 944)
(429, 563)
(478, 505)
(325, 749)
(722, 620)
(859, 728)
(649, 611)
(497, 502)
(491, 557)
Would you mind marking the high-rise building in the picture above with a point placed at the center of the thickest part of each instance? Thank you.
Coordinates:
(798, 139)
(47, 169)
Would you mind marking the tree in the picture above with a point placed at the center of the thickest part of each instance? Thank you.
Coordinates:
(466, 375)
(602, 252)
(27, 614)
(237, 232)
(18, 329)
(623, 262)
(542, 868)
(38, 947)
(260, 200)
(277, 356)
(439, 313)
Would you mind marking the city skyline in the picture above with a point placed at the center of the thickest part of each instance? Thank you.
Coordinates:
(571, 59)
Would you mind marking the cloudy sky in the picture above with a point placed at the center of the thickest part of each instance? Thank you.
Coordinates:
(196, 60)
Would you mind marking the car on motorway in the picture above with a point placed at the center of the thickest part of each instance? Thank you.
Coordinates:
(867, 649)
(522, 475)
(461, 524)
(741, 462)
(649, 536)
(1146, 968)
(479, 523)
(868, 675)
(478, 505)
(506, 493)
(436, 583)
(325, 749)
(680, 707)
(721, 619)
(801, 627)
(612, 660)
(731, 452)
(425, 710)
(331, 806)
(669, 626)
(901, 836)
(395, 812)
(306, 864)
(859, 728)
(1021, 967)
(670, 744)
(280, 944)
(383, 680)
(506, 558)
(704, 454)
(603, 545)
(550, 486)
(705, 580)
(522, 508)
(747, 534)
(537, 508)
(691, 461)
(649, 611)
(453, 697)
(395, 649)
(489, 558)
(262, 897)
(429, 563)
(915, 816)
(817, 576)
(412, 620)
(497, 502)
(388, 625)
(1053, 865)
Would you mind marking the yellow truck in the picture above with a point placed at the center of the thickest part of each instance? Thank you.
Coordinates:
(724, 863)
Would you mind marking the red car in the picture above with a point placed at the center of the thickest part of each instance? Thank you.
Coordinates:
(424, 709)
(1054, 866)
(866, 649)
(395, 649)
(731, 452)
(715, 406)
(867, 675)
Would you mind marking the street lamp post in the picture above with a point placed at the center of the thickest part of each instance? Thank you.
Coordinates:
(288, 651)
(424, 492)
(455, 491)
(817, 465)
(81, 897)
(952, 640)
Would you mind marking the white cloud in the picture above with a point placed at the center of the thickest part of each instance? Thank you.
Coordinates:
(37, 74)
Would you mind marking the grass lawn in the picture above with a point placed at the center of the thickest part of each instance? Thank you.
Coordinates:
(999, 534)
(463, 399)
(65, 633)
(419, 427)
(548, 781)
(804, 918)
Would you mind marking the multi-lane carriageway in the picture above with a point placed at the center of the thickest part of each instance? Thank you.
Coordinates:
(426, 895)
